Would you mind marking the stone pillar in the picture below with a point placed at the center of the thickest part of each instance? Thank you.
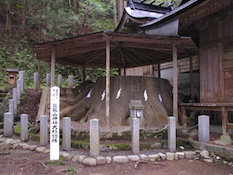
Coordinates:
(203, 128)
(70, 81)
(8, 124)
(11, 106)
(24, 127)
(44, 130)
(66, 133)
(94, 137)
(171, 134)
(36, 81)
(135, 135)
(59, 80)
(21, 77)
(18, 89)
(48, 79)
(14, 94)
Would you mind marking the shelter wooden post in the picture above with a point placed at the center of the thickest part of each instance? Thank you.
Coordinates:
(175, 82)
(52, 67)
(191, 78)
(159, 73)
(224, 121)
(119, 71)
(124, 71)
(107, 99)
(84, 73)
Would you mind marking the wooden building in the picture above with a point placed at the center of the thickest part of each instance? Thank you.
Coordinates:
(209, 23)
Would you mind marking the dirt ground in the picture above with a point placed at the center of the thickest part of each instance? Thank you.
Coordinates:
(30, 104)
(23, 162)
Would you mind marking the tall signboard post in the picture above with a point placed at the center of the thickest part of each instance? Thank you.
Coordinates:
(54, 122)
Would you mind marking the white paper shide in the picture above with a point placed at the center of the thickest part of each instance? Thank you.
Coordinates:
(54, 122)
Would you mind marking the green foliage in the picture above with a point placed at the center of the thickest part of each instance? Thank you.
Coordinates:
(17, 129)
(45, 22)
(55, 162)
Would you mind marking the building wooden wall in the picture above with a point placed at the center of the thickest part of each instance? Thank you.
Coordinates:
(216, 58)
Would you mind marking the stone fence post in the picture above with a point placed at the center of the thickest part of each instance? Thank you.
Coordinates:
(70, 81)
(203, 128)
(59, 80)
(94, 137)
(36, 81)
(135, 135)
(11, 106)
(24, 127)
(172, 134)
(44, 130)
(18, 89)
(22, 78)
(66, 133)
(14, 94)
(8, 124)
(48, 79)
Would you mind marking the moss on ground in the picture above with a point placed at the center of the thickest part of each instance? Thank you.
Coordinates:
(55, 162)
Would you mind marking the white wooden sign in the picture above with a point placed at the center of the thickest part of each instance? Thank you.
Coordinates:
(54, 122)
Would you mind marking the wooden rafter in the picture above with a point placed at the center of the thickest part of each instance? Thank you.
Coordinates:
(138, 50)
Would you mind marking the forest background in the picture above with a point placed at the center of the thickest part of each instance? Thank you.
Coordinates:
(23, 23)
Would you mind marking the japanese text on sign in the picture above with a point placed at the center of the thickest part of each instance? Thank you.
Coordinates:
(54, 122)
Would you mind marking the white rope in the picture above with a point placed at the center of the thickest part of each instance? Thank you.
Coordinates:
(164, 128)
(192, 127)
(75, 129)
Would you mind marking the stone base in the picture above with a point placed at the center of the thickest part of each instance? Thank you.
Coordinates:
(226, 139)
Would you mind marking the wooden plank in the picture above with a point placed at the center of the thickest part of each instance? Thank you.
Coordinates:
(43, 101)
(202, 71)
(52, 67)
(191, 78)
(107, 99)
(175, 83)
(221, 73)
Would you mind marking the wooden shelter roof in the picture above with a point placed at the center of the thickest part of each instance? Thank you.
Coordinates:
(127, 50)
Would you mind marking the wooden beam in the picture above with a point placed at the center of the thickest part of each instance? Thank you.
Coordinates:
(175, 82)
(53, 67)
(191, 78)
(107, 99)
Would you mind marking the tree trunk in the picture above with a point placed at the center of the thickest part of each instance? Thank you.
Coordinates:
(85, 27)
(76, 11)
(24, 14)
(41, 8)
(115, 14)
(8, 18)
(120, 9)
